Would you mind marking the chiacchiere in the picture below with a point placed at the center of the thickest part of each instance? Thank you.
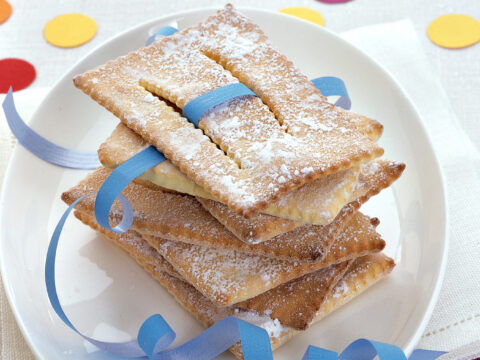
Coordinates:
(255, 212)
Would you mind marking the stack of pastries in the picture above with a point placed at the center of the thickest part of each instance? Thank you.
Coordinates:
(255, 212)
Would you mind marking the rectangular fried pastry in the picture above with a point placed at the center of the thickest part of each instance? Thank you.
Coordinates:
(363, 273)
(373, 177)
(227, 277)
(317, 202)
(329, 193)
(305, 295)
(182, 218)
(265, 151)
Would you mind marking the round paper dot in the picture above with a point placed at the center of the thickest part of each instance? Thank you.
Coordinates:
(454, 31)
(70, 30)
(334, 1)
(305, 14)
(5, 10)
(16, 73)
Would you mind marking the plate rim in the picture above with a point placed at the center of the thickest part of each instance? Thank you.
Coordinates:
(169, 17)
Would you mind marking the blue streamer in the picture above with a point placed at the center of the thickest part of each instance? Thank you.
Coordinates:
(363, 349)
(117, 181)
(421, 354)
(41, 147)
(194, 110)
(315, 353)
(331, 86)
(163, 31)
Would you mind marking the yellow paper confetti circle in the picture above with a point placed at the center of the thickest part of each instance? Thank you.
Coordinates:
(305, 14)
(70, 30)
(454, 31)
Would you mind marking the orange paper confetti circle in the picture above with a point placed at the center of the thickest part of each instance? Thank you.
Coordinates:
(454, 31)
(70, 30)
(305, 14)
(5, 10)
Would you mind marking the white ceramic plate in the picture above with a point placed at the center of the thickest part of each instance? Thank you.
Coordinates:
(107, 295)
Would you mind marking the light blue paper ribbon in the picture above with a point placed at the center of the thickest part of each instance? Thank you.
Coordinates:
(43, 148)
(333, 86)
(163, 31)
(117, 181)
(195, 109)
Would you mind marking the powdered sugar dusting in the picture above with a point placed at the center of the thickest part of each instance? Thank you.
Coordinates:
(271, 326)
(274, 143)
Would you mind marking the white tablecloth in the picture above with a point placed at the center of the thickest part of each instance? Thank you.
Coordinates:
(451, 117)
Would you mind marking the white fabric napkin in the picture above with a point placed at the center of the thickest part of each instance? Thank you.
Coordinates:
(456, 319)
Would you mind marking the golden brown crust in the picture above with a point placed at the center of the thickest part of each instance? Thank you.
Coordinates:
(352, 284)
(274, 157)
(373, 177)
(254, 230)
(363, 273)
(317, 202)
(228, 277)
(372, 128)
(295, 303)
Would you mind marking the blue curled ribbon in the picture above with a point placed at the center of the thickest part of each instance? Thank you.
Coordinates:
(117, 181)
(155, 335)
(195, 109)
(163, 31)
(333, 86)
(42, 147)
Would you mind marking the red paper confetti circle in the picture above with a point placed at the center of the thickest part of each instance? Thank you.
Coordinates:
(16, 73)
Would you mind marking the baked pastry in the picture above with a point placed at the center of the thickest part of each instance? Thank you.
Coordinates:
(250, 151)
